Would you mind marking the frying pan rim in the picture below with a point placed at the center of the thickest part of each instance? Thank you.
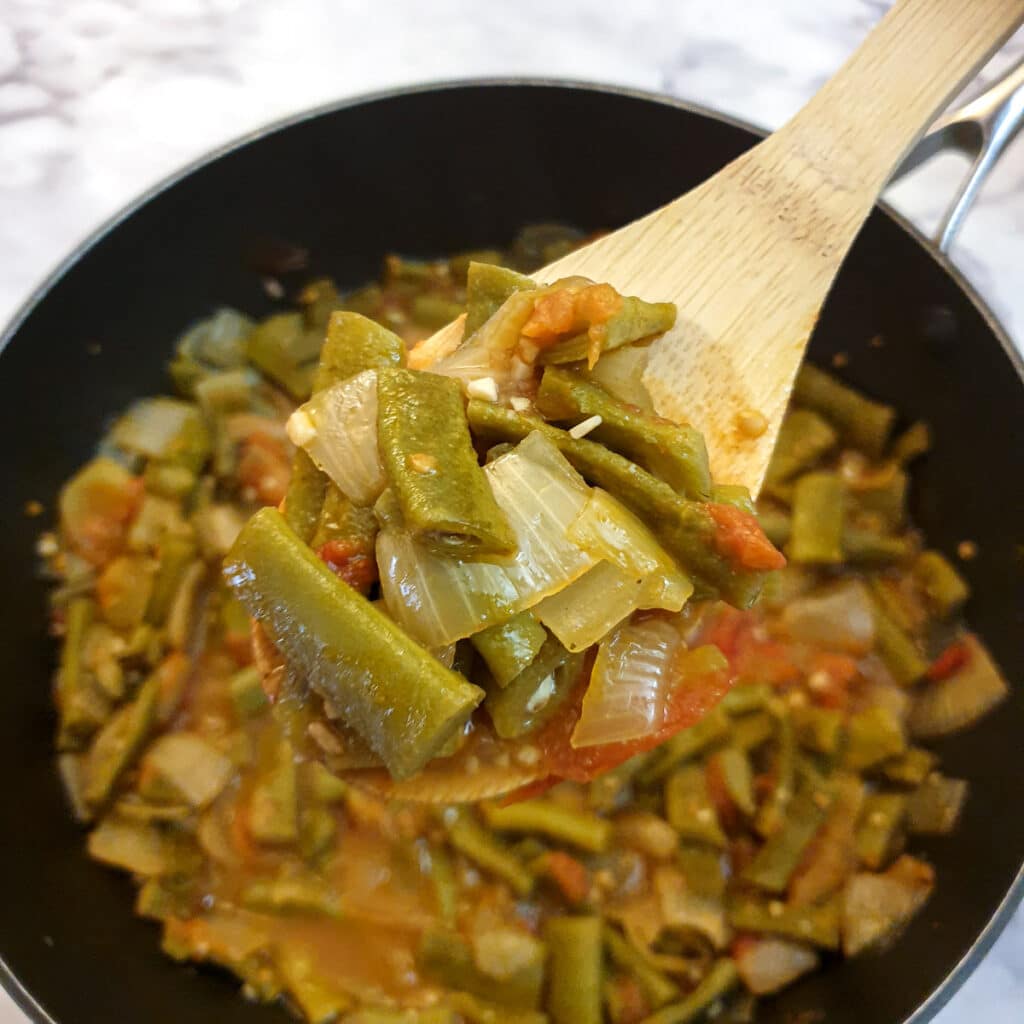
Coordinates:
(975, 953)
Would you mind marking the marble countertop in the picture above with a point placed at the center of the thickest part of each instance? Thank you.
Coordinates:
(99, 99)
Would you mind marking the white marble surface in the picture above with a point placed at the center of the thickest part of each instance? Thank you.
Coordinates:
(101, 98)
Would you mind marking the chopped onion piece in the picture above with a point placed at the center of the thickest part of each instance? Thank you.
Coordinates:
(838, 618)
(338, 429)
(767, 963)
(153, 426)
(607, 529)
(621, 371)
(439, 599)
(586, 610)
(626, 696)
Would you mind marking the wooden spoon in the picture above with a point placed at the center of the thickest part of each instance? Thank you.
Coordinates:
(749, 257)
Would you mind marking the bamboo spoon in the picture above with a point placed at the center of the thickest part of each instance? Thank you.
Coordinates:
(749, 257)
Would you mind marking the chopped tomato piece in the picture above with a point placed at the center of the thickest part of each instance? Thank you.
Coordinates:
(553, 314)
(830, 676)
(351, 563)
(739, 538)
(571, 877)
(953, 658)
(264, 467)
(629, 1000)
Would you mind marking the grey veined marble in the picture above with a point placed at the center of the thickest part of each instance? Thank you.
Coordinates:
(101, 98)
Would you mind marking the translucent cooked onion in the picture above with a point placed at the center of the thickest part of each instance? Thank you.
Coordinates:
(588, 609)
(628, 687)
(839, 618)
(153, 426)
(621, 371)
(768, 964)
(439, 599)
(607, 529)
(337, 428)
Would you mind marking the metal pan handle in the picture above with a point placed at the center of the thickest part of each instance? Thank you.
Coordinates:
(982, 128)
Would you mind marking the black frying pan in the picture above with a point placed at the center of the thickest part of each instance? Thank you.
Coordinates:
(425, 172)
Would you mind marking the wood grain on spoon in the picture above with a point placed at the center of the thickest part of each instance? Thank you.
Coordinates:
(749, 255)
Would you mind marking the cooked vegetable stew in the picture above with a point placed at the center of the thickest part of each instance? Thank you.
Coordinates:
(544, 574)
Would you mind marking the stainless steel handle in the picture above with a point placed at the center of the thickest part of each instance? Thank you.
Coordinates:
(982, 128)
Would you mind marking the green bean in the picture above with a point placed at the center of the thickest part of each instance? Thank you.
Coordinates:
(743, 699)
(176, 555)
(317, 830)
(772, 815)
(442, 877)
(487, 288)
(873, 736)
(355, 343)
(317, 997)
(428, 456)
(882, 498)
(575, 969)
(817, 923)
(607, 791)
(345, 523)
(305, 496)
(911, 767)
(168, 479)
(274, 802)
(307, 894)
(447, 958)
(879, 835)
(657, 988)
(83, 706)
(868, 547)
(702, 868)
(563, 824)
(536, 693)
(434, 311)
(862, 423)
(634, 321)
(689, 809)
(286, 351)
(944, 588)
(734, 767)
(776, 861)
(674, 453)
(818, 729)
(511, 646)
(804, 438)
(472, 840)
(119, 743)
(712, 729)
(817, 528)
(684, 527)
(718, 982)
(895, 646)
(247, 694)
(400, 699)
(458, 264)
(750, 731)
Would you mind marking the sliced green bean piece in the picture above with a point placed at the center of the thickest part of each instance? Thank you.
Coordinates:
(734, 767)
(400, 699)
(563, 824)
(750, 731)
(689, 809)
(306, 894)
(743, 699)
(817, 923)
(896, 647)
(684, 527)
(487, 287)
(345, 523)
(933, 808)
(472, 840)
(718, 982)
(510, 647)
(804, 438)
(868, 547)
(944, 588)
(274, 802)
(911, 767)
(712, 729)
(879, 834)
(817, 528)
(355, 343)
(773, 866)
(286, 351)
(119, 743)
(575, 969)
(702, 868)
(672, 452)
(634, 321)
(83, 706)
(863, 424)
(818, 729)
(305, 496)
(914, 442)
(428, 456)
(772, 815)
(317, 997)
(434, 311)
(247, 693)
(657, 988)
(536, 693)
(442, 877)
(176, 555)
(874, 736)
